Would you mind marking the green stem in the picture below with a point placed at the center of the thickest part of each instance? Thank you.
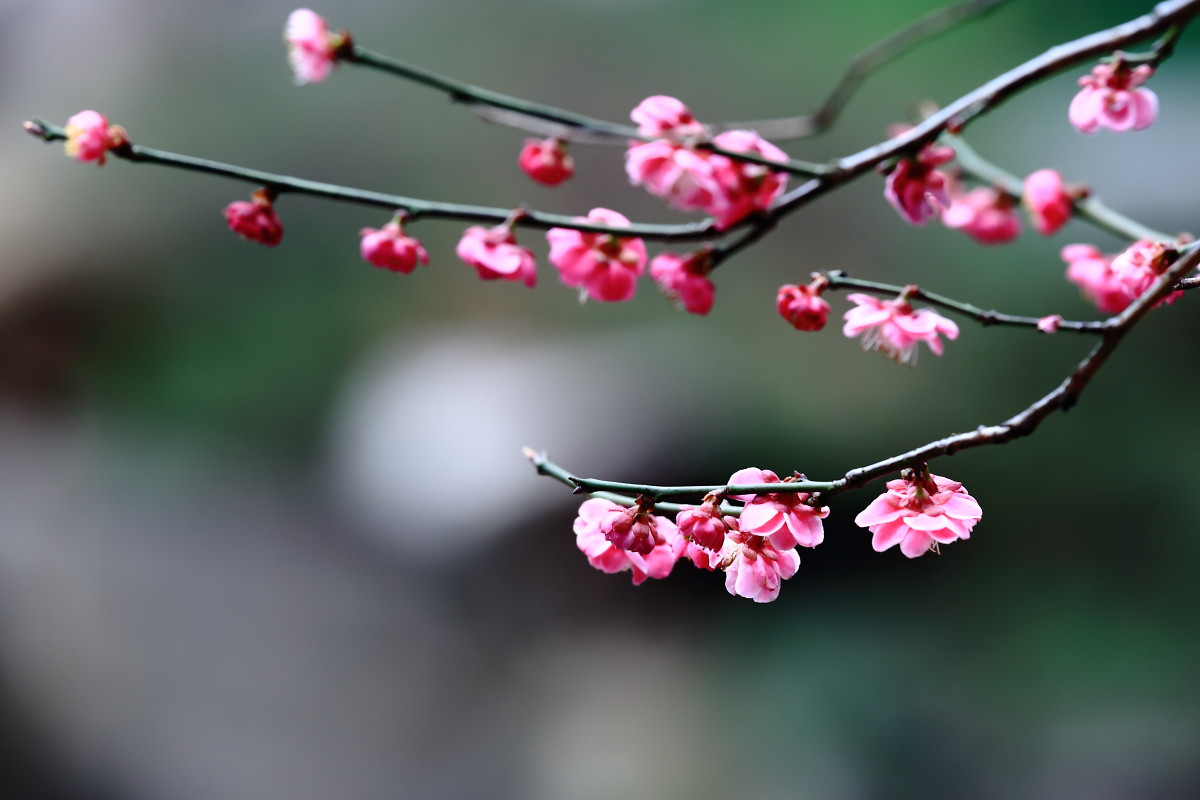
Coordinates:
(1089, 209)
(466, 92)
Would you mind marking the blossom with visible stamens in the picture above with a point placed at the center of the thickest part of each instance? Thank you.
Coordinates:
(1111, 98)
(892, 327)
(918, 514)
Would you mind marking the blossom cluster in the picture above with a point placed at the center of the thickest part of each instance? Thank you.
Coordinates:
(1113, 282)
(690, 177)
(920, 190)
(756, 546)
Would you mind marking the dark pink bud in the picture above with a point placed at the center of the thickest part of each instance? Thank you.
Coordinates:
(802, 306)
(546, 161)
(255, 221)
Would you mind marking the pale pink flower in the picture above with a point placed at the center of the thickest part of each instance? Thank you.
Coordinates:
(1138, 267)
(1110, 98)
(783, 517)
(984, 214)
(661, 115)
(388, 248)
(606, 557)
(604, 266)
(546, 161)
(756, 568)
(920, 514)
(894, 328)
(684, 279)
(90, 137)
(802, 306)
(916, 188)
(312, 48)
(495, 255)
(256, 220)
(1050, 323)
(1047, 200)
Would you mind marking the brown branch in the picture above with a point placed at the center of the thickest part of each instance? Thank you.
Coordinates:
(1063, 397)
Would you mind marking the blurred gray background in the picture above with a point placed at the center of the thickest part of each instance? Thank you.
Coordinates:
(266, 528)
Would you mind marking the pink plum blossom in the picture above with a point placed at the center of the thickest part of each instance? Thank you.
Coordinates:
(388, 248)
(746, 188)
(312, 48)
(684, 279)
(1047, 200)
(783, 517)
(1090, 270)
(603, 266)
(703, 526)
(1112, 283)
(90, 137)
(756, 568)
(1140, 265)
(661, 115)
(691, 178)
(802, 306)
(607, 557)
(984, 214)
(916, 188)
(919, 515)
(546, 161)
(684, 177)
(256, 220)
(1050, 323)
(638, 531)
(894, 328)
(495, 255)
(1111, 98)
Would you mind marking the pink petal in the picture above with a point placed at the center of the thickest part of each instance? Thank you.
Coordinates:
(762, 518)
(888, 535)
(916, 544)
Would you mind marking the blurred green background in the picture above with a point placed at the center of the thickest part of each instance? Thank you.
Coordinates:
(267, 528)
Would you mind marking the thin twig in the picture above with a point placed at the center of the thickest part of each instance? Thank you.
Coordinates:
(1089, 209)
(894, 45)
(1063, 397)
(568, 120)
(416, 208)
(839, 280)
